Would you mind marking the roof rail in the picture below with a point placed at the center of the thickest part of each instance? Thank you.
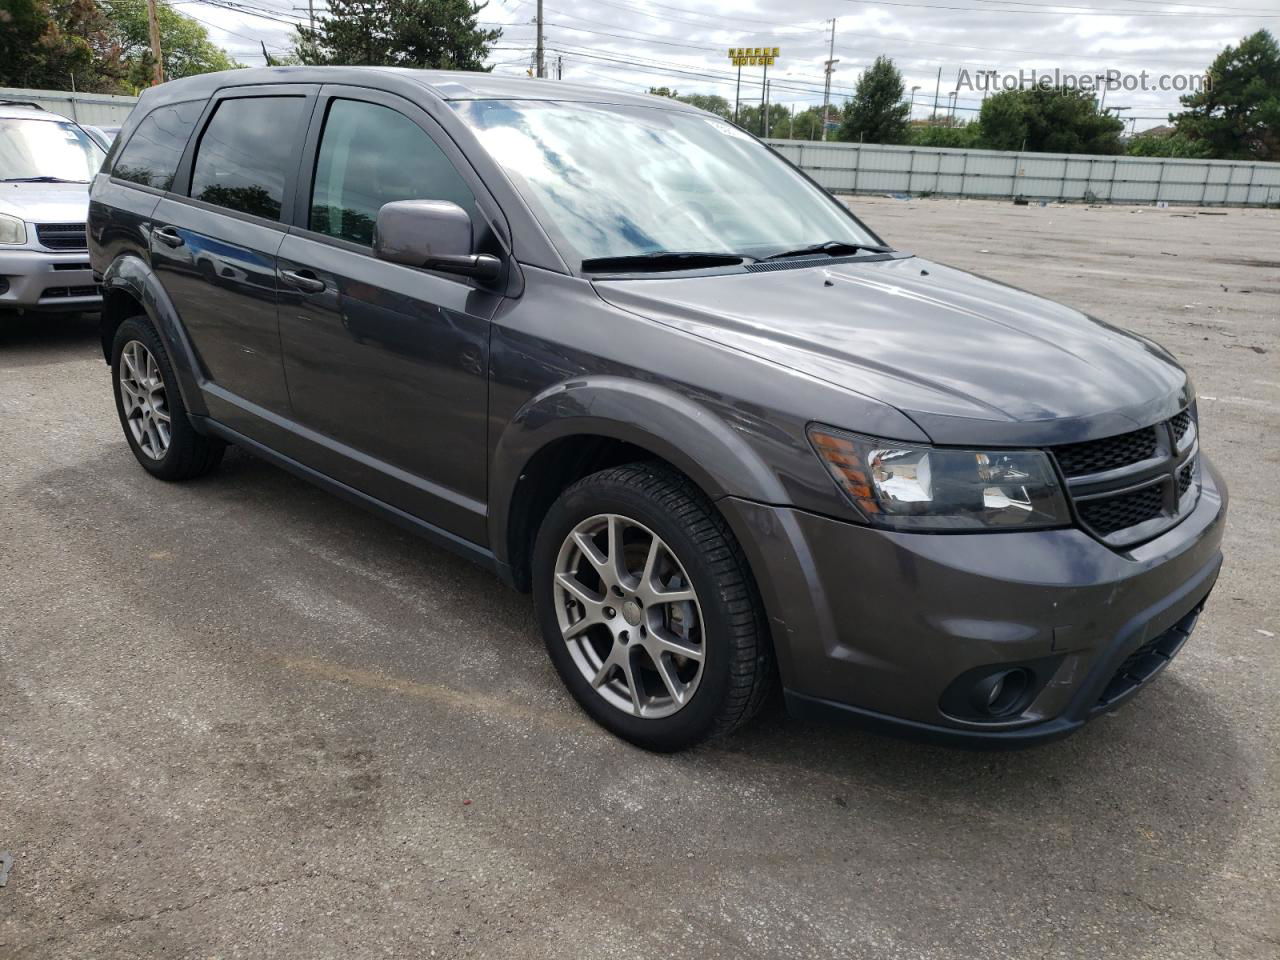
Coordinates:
(5, 101)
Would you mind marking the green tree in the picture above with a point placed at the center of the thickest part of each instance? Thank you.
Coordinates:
(1238, 114)
(807, 124)
(1177, 145)
(876, 113)
(53, 44)
(1055, 120)
(709, 102)
(703, 101)
(184, 43)
(751, 119)
(960, 134)
(440, 34)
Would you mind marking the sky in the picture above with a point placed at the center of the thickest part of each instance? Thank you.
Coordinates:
(683, 44)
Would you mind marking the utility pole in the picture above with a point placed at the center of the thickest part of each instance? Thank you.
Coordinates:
(153, 24)
(542, 67)
(830, 69)
(936, 90)
(559, 67)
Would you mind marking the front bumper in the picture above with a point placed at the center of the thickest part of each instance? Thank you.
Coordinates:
(39, 280)
(876, 626)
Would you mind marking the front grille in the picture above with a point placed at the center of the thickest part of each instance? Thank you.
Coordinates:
(1148, 660)
(1111, 514)
(1095, 456)
(1181, 424)
(1186, 476)
(62, 236)
(61, 293)
(1144, 468)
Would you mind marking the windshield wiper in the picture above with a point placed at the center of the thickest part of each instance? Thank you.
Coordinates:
(661, 260)
(41, 180)
(835, 248)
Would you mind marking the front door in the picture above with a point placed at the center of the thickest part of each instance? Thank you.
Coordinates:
(386, 364)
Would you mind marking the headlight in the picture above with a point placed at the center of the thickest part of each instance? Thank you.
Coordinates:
(12, 230)
(928, 488)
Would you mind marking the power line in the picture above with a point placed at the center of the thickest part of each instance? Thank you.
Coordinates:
(1069, 11)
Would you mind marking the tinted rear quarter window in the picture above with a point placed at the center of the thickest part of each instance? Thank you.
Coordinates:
(151, 156)
(245, 154)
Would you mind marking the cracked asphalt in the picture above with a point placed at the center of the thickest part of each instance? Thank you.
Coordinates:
(240, 718)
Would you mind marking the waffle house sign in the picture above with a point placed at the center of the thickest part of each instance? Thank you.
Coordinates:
(753, 56)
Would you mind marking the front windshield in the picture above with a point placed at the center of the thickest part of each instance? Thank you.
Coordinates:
(36, 149)
(615, 181)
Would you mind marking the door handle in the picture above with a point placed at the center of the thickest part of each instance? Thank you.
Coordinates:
(302, 280)
(168, 236)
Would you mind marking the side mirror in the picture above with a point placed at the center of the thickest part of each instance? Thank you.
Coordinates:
(431, 233)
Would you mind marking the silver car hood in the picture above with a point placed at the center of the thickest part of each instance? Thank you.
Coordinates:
(45, 202)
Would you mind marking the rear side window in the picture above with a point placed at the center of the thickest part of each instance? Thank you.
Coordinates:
(151, 156)
(245, 153)
(370, 155)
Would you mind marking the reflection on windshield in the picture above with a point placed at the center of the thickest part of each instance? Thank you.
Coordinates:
(46, 148)
(609, 180)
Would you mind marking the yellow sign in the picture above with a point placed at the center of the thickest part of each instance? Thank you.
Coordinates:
(754, 56)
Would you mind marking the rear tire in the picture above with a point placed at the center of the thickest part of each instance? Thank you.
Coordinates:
(150, 407)
(671, 647)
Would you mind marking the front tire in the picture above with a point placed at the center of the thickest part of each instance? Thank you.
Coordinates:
(151, 410)
(649, 610)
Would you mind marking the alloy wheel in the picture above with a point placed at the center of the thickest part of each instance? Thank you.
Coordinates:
(142, 394)
(629, 616)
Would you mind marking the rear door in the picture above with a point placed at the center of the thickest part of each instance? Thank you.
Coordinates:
(215, 251)
(386, 364)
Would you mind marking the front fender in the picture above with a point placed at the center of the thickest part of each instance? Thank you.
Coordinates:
(130, 274)
(686, 433)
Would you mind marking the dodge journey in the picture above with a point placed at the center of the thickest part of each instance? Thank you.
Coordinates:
(619, 352)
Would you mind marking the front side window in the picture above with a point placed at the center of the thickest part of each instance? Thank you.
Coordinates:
(613, 181)
(370, 155)
(245, 154)
(52, 150)
(151, 156)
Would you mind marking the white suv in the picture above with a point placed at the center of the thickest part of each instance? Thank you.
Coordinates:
(46, 163)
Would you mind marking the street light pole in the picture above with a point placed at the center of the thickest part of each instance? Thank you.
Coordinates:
(912, 114)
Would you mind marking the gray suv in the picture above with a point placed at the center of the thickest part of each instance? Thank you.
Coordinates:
(619, 352)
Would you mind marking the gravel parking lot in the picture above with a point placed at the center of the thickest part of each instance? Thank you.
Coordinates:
(240, 718)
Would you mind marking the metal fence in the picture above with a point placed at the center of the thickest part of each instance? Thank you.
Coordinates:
(98, 109)
(994, 174)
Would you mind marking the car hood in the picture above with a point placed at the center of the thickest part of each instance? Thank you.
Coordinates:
(45, 202)
(970, 360)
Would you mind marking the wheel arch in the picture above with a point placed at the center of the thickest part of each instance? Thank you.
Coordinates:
(590, 424)
(130, 287)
